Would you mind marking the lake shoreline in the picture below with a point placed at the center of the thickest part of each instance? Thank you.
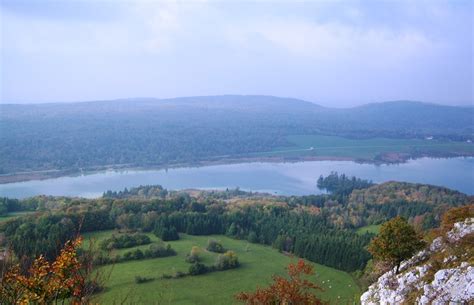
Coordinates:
(392, 158)
(292, 177)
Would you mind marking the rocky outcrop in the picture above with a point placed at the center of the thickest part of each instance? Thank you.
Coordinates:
(441, 274)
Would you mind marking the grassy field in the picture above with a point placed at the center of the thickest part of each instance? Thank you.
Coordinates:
(258, 264)
(332, 146)
(369, 229)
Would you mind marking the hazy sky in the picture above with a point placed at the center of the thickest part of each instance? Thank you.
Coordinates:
(335, 53)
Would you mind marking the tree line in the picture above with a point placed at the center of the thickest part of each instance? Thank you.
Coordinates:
(320, 228)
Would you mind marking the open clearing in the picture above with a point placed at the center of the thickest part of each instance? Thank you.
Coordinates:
(369, 229)
(332, 146)
(258, 264)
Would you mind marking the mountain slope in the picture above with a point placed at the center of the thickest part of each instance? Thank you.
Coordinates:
(146, 131)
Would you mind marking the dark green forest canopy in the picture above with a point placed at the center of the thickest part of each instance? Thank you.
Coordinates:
(320, 228)
(342, 184)
(143, 132)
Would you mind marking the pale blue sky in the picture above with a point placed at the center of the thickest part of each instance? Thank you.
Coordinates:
(336, 53)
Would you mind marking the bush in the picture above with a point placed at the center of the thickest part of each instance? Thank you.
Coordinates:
(124, 241)
(141, 280)
(197, 269)
(159, 250)
(176, 275)
(179, 274)
(227, 260)
(138, 254)
(155, 250)
(193, 256)
(215, 246)
(166, 233)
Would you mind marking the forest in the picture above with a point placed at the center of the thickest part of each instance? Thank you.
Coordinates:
(320, 228)
(152, 132)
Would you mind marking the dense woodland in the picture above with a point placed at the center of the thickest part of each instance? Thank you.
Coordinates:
(342, 184)
(143, 132)
(320, 228)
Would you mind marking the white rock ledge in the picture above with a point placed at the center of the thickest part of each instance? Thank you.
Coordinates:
(449, 286)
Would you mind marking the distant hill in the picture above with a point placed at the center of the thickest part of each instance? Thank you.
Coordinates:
(410, 118)
(147, 131)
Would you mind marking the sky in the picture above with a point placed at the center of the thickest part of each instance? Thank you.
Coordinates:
(334, 53)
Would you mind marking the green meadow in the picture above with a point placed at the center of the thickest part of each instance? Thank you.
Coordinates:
(332, 146)
(258, 264)
(369, 229)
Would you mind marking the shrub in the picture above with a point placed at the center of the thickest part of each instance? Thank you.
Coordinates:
(138, 254)
(124, 241)
(227, 260)
(154, 251)
(197, 269)
(193, 256)
(141, 280)
(179, 274)
(215, 246)
(159, 250)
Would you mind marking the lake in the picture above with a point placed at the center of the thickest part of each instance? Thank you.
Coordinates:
(297, 178)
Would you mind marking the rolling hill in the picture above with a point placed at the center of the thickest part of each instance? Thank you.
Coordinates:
(159, 132)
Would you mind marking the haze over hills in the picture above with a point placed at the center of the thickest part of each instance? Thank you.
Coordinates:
(349, 168)
(392, 113)
(147, 131)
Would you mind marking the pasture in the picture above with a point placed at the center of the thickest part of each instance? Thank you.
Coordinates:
(258, 264)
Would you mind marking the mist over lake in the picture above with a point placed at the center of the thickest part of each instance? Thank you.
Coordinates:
(297, 178)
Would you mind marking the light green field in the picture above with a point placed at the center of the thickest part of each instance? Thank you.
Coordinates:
(332, 146)
(369, 229)
(258, 264)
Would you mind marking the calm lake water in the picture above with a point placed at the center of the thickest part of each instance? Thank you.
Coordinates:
(278, 178)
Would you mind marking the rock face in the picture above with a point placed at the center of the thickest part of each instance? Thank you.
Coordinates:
(440, 275)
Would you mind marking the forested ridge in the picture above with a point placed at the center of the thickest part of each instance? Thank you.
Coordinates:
(144, 132)
(320, 228)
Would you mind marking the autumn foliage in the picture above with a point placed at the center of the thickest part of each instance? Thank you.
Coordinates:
(396, 242)
(47, 282)
(455, 215)
(286, 291)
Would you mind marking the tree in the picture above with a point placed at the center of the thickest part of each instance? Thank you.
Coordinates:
(455, 215)
(215, 246)
(193, 256)
(228, 260)
(166, 233)
(294, 290)
(396, 242)
(47, 283)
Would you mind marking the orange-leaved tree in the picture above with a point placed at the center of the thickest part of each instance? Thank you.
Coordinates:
(296, 289)
(47, 282)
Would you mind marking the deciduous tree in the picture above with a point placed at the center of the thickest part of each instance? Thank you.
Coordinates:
(48, 282)
(396, 242)
(296, 289)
